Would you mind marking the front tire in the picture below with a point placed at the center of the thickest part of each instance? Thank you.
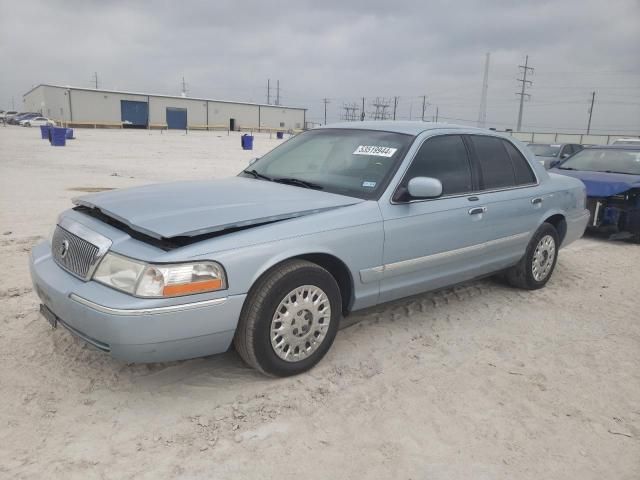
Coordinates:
(289, 319)
(534, 270)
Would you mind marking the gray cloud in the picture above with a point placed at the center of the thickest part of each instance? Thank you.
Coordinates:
(343, 51)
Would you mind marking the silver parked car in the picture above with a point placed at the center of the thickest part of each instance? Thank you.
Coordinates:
(334, 220)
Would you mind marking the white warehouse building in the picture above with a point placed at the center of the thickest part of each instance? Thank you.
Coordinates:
(74, 106)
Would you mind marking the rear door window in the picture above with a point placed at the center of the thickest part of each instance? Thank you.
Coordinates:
(496, 168)
(522, 170)
(445, 158)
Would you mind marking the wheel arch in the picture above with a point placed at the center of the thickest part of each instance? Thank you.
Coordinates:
(559, 222)
(330, 262)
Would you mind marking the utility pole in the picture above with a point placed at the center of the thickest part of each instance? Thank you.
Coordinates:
(362, 111)
(277, 92)
(325, 100)
(268, 91)
(95, 79)
(395, 106)
(436, 114)
(424, 105)
(482, 114)
(184, 88)
(593, 99)
(525, 70)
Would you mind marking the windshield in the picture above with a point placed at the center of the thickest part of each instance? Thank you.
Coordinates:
(350, 162)
(605, 160)
(544, 150)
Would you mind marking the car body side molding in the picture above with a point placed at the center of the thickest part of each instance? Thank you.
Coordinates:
(403, 267)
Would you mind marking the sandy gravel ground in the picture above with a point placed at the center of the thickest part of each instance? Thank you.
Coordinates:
(477, 382)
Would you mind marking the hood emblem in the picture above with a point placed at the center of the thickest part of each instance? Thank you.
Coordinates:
(63, 249)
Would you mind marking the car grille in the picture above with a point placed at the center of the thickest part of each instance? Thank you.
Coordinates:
(72, 253)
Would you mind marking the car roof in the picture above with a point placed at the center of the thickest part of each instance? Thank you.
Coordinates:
(405, 127)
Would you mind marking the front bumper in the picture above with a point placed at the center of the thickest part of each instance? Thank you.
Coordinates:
(134, 329)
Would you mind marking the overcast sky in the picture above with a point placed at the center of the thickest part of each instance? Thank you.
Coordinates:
(342, 51)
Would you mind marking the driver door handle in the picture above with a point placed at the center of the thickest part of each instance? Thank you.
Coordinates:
(477, 210)
(536, 200)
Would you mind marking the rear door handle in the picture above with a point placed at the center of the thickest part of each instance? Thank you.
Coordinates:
(536, 200)
(477, 210)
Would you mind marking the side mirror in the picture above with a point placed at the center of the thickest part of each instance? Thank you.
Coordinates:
(424, 187)
(564, 155)
(253, 160)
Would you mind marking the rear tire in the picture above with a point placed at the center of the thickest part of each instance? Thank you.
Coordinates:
(534, 270)
(289, 319)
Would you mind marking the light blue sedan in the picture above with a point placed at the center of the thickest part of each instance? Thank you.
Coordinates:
(334, 220)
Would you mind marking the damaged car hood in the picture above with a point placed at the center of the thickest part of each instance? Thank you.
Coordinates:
(191, 208)
(603, 184)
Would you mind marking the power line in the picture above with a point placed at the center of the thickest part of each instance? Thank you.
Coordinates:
(525, 69)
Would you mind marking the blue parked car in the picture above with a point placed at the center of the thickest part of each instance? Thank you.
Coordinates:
(612, 177)
(334, 220)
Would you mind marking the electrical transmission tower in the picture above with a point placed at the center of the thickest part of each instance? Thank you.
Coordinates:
(525, 71)
(593, 100)
(95, 79)
(482, 114)
(381, 105)
(351, 112)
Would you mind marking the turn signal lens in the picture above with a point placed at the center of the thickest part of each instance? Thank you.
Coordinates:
(195, 287)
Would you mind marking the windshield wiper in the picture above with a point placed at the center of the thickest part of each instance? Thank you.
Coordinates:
(299, 183)
(613, 171)
(256, 174)
(566, 168)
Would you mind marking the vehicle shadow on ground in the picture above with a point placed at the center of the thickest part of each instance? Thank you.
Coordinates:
(219, 369)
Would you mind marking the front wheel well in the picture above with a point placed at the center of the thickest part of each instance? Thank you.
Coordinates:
(560, 224)
(334, 266)
(339, 271)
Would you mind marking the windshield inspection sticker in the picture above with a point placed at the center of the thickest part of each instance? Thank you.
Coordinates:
(375, 151)
(369, 184)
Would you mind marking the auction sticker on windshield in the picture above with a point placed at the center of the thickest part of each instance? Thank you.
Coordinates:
(375, 151)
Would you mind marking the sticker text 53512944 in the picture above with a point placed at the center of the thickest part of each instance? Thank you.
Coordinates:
(375, 151)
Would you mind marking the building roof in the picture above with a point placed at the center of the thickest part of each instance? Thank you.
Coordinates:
(406, 127)
(123, 92)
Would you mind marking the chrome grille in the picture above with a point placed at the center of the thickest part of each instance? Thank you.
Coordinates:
(73, 253)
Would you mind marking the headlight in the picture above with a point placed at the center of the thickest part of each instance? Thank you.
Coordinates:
(146, 280)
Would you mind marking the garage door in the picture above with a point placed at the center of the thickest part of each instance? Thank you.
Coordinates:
(177, 118)
(134, 114)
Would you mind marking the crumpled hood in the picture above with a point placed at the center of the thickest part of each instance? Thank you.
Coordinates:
(602, 184)
(193, 208)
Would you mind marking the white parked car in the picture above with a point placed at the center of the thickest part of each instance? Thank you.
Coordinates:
(6, 115)
(37, 121)
(626, 141)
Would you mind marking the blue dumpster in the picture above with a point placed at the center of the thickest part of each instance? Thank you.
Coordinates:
(44, 131)
(246, 141)
(58, 136)
(69, 134)
(280, 135)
